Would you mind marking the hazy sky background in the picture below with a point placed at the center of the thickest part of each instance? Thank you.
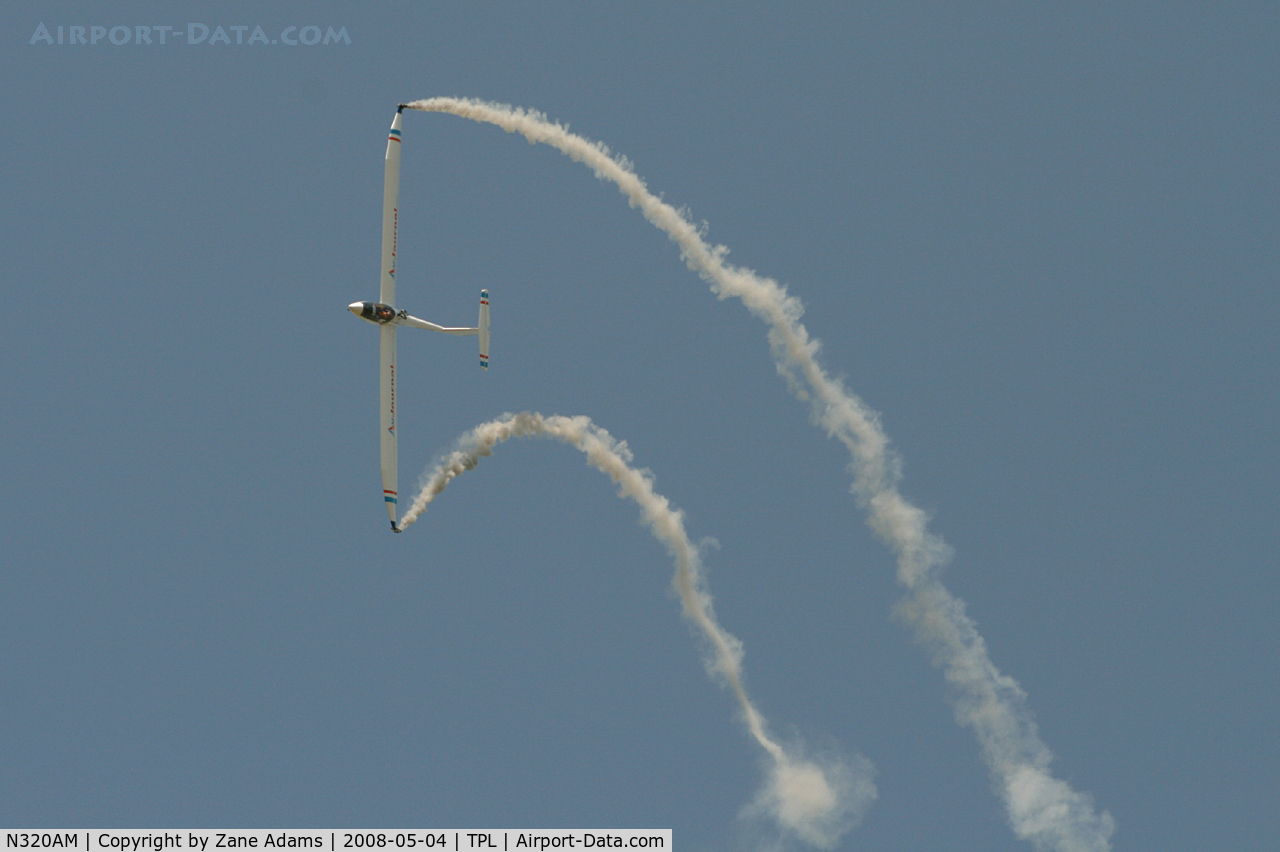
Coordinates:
(1040, 240)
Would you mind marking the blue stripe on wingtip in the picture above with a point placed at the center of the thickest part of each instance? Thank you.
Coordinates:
(389, 499)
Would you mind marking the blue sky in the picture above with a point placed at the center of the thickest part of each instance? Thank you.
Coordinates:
(1040, 241)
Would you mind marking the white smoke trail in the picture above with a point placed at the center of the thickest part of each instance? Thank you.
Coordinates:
(1041, 809)
(818, 803)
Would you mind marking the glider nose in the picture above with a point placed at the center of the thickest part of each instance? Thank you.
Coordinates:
(356, 307)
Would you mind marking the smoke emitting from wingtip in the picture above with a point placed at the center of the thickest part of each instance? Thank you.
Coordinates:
(817, 802)
(1040, 808)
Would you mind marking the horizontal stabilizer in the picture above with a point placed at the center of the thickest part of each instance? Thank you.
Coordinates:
(484, 329)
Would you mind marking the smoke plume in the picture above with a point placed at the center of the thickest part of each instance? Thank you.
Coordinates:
(1040, 808)
(816, 802)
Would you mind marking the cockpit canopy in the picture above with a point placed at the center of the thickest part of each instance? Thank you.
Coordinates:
(374, 311)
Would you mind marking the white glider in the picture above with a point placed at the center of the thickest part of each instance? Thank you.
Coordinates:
(383, 312)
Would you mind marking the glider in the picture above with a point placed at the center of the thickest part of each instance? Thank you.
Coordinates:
(383, 312)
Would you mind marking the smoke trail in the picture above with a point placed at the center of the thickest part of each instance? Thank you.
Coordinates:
(818, 803)
(1041, 809)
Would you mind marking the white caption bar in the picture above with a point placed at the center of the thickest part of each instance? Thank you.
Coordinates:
(335, 840)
